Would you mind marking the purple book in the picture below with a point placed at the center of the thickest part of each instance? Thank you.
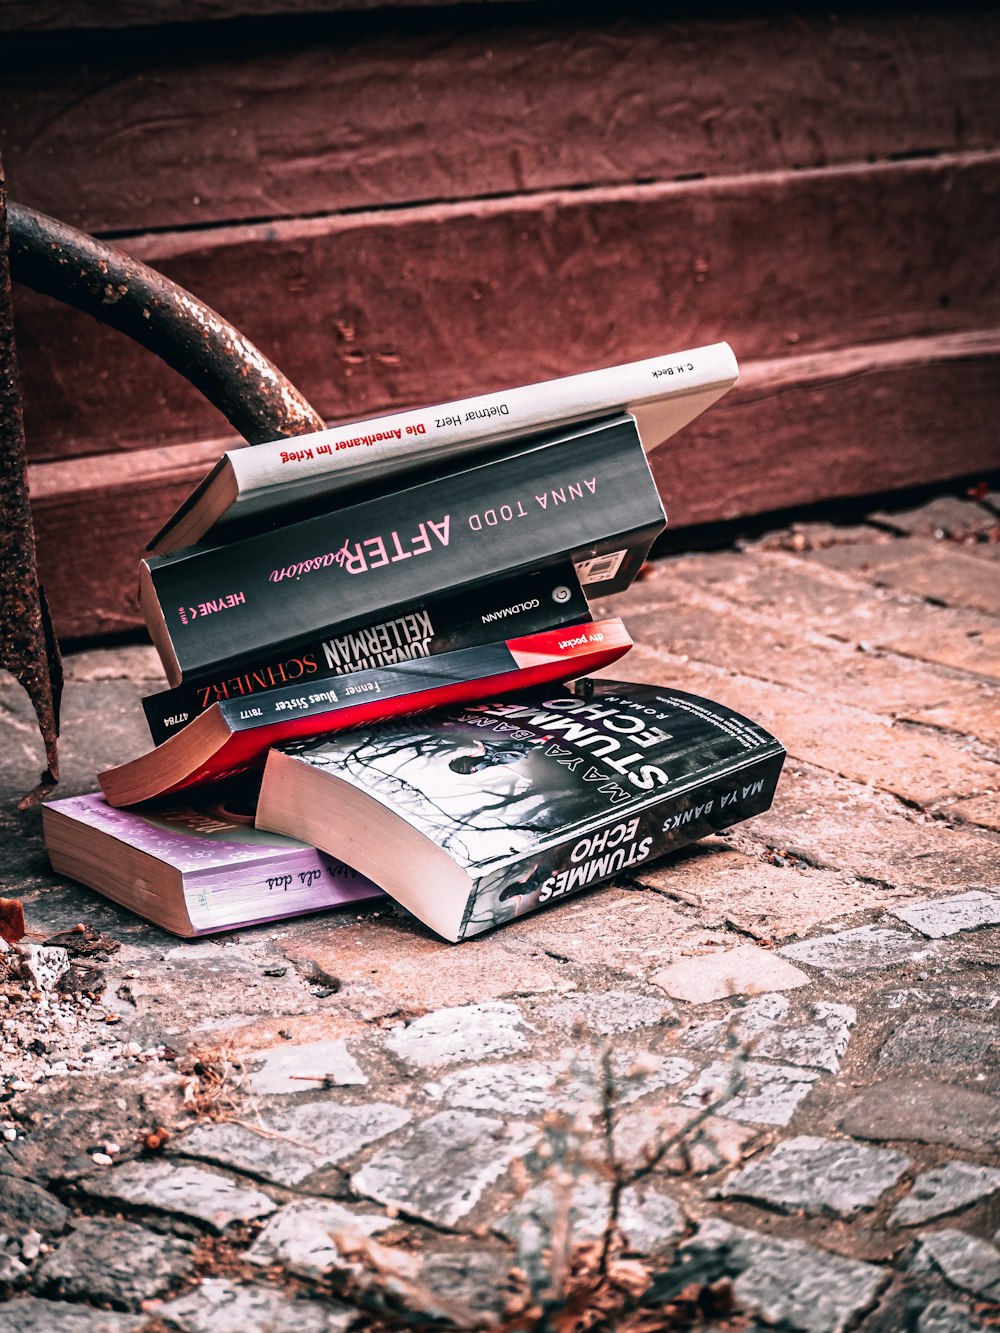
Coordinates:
(194, 868)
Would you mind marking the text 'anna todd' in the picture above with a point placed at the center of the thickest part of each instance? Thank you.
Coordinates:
(356, 557)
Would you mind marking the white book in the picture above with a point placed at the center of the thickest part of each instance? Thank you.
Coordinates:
(663, 393)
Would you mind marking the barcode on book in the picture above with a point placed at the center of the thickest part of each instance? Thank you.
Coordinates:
(601, 568)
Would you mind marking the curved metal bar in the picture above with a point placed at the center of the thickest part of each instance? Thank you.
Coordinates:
(188, 335)
(28, 648)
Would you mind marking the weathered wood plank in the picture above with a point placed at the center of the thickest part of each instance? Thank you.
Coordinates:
(90, 544)
(74, 15)
(376, 310)
(733, 460)
(319, 116)
(850, 431)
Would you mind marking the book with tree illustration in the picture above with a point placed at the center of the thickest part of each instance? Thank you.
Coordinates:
(470, 818)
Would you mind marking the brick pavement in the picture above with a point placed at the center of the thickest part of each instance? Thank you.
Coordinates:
(756, 1086)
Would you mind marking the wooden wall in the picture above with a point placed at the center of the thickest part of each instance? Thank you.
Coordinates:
(403, 204)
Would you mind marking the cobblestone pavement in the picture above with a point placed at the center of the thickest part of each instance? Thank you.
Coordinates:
(756, 1086)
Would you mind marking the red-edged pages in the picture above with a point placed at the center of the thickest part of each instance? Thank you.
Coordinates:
(235, 734)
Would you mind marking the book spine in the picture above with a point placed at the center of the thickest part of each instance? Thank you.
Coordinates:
(580, 497)
(368, 695)
(622, 842)
(525, 605)
(449, 428)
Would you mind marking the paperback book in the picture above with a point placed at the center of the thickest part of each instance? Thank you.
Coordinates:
(527, 604)
(234, 734)
(197, 868)
(588, 497)
(664, 393)
(472, 817)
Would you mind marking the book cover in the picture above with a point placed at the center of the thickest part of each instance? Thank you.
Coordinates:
(523, 605)
(588, 497)
(194, 868)
(663, 392)
(472, 817)
(235, 734)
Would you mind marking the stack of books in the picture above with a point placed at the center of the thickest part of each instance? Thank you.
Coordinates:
(373, 625)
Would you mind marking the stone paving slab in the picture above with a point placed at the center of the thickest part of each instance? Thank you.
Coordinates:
(648, 1219)
(980, 810)
(213, 1200)
(966, 1261)
(286, 1145)
(827, 1176)
(440, 1170)
(709, 630)
(24, 1205)
(826, 601)
(921, 765)
(771, 1057)
(768, 898)
(626, 932)
(292, 1066)
(302, 1236)
(968, 1052)
(389, 960)
(863, 949)
(455, 1036)
(923, 1110)
(967, 714)
(744, 970)
(947, 1317)
(944, 516)
(845, 826)
(786, 1282)
(218, 1306)
(924, 569)
(115, 1263)
(753, 1092)
(938, 917)
(30, 1314)
(945, 1189)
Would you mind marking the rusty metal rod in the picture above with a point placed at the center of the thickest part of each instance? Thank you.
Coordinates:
(188, 335)
(28, 649)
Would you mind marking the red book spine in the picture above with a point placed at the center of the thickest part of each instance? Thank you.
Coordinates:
(465, 676)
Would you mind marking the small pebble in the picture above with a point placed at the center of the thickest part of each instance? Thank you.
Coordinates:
(31, 1245)
(101, 1158)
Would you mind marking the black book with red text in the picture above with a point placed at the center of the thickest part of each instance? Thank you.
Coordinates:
(472, 817)
(585, 495)
(249, 486)
(525, 604)
(235, 734)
